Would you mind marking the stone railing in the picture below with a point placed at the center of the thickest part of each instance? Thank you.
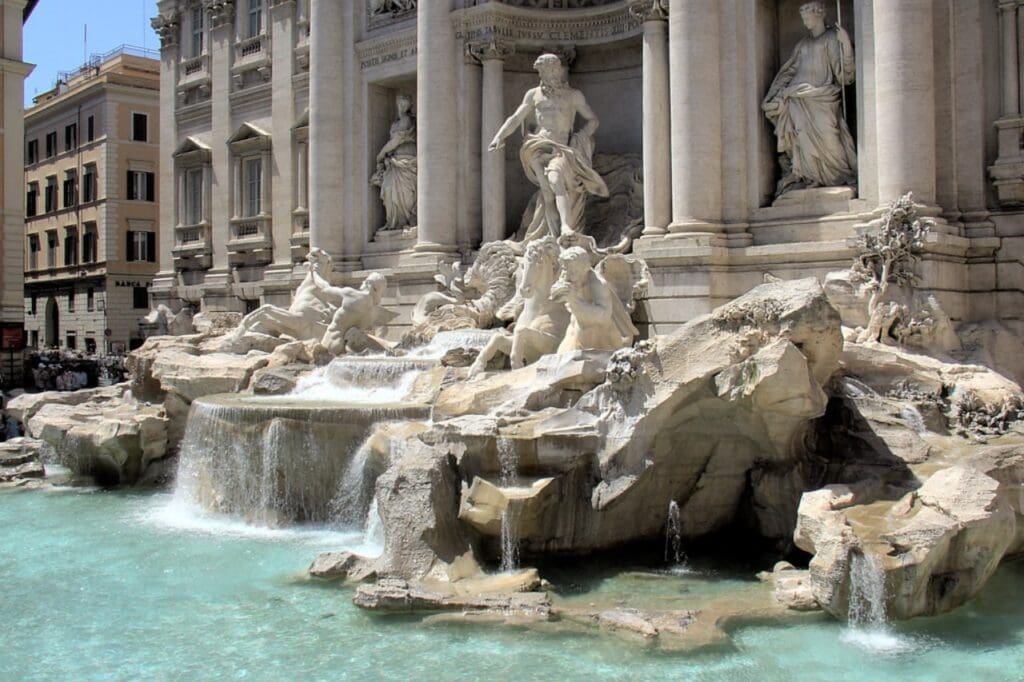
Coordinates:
(250, 241)
(194, 71)
(193, 246)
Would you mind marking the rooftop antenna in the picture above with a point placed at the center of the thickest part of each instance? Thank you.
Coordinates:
(85, 43)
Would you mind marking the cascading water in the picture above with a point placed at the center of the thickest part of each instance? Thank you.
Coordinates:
(674, 536)
(867, 627)
(508, 461)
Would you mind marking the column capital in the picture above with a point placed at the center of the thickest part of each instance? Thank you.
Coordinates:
(166, 26)
(1009, 5)
(221, 11)
(649, 10)
(488, 50)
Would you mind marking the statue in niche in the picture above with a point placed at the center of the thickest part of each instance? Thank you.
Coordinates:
(309, 314)
(555, 157)
(805, 105)
(396, 169)
(539, 323)
(599, 319)
(358, 312)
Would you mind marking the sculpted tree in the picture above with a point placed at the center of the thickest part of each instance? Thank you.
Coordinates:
(889, 256)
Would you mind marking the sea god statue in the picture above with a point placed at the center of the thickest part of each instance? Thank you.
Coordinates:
(396, 169)
(555, 157)
(805, 105)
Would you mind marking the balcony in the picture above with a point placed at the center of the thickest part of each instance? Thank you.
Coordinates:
(193, 247)
(252, 54)
(250, 242)
(194, 72)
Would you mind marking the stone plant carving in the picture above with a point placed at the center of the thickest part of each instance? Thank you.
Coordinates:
(555, 157)
(599, 320)
(472, 299)
(539, 323)
(358, 312)
(804, 104)
(888, 256)
(396, 169)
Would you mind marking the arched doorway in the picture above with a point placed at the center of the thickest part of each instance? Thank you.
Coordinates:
(52, 323)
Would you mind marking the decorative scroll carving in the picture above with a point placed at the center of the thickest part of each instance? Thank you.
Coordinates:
(649, 10)
(221, 12)
(488, 50)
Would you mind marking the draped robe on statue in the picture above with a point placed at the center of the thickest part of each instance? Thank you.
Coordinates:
(813, 138)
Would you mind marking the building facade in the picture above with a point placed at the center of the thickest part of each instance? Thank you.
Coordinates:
(13, 71)
(275, 114)
(91, 204)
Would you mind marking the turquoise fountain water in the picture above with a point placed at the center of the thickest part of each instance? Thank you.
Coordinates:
(100, 585)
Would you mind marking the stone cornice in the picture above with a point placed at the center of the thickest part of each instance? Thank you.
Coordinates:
(542, 28)
(390, 48)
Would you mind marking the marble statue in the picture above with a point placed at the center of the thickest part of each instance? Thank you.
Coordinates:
(539, 323)
(599, 320)
(169, 323)
(805, 105)
(555, 157)
(396, 169)
(378, 7)
(311, 310)
(359, 311)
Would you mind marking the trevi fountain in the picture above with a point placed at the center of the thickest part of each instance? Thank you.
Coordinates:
(518, 475)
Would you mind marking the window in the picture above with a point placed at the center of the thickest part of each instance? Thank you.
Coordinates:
(71, 246)
(197, 31)
(35, 305)
(90, 302)
(50, 200)
(140, 127)
(33, 260)
(51, 248)
(89, 240)
(70, 191)
(32, 154)
(51, 144)
(90, 128)
(251, 304)
(141, 185)
(255, 18)
(140, 298)
(253, 171)
(71, 301)
(89, 183)
(141, 246)
(35, 338)
(194, 196)
(70, 137)
(72, 342)
(31, 199)
(90, 345)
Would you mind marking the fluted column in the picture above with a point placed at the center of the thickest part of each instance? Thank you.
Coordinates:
(657, 125)
(905, 100)
(1011, 70)
(326, 125)
(437, 127)
(167, 27)
(696, 116)
(492, 56)
(300, 177)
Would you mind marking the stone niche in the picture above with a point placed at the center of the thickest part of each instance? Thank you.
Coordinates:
(610, 75)
(780, 30)
(381, 112)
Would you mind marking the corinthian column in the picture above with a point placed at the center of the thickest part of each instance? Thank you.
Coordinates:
(694, 42)
(905, 99)
(326, 125)
(437, 127)
(492, 164)
(657, 126)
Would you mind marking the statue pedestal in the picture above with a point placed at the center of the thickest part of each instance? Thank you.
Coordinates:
(815, 198)
(389, 248)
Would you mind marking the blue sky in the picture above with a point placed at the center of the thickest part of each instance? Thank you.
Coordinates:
(54, 35)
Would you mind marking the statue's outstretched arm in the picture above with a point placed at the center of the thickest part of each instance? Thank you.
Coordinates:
(513, 122)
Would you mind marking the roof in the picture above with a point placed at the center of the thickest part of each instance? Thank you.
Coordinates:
(28, 10)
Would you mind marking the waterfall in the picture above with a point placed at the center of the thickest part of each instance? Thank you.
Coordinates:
(867, 592)
(674, 536)
(508, 461)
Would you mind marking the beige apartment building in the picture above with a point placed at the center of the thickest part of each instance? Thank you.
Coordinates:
(91, 204)
(13, 71)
